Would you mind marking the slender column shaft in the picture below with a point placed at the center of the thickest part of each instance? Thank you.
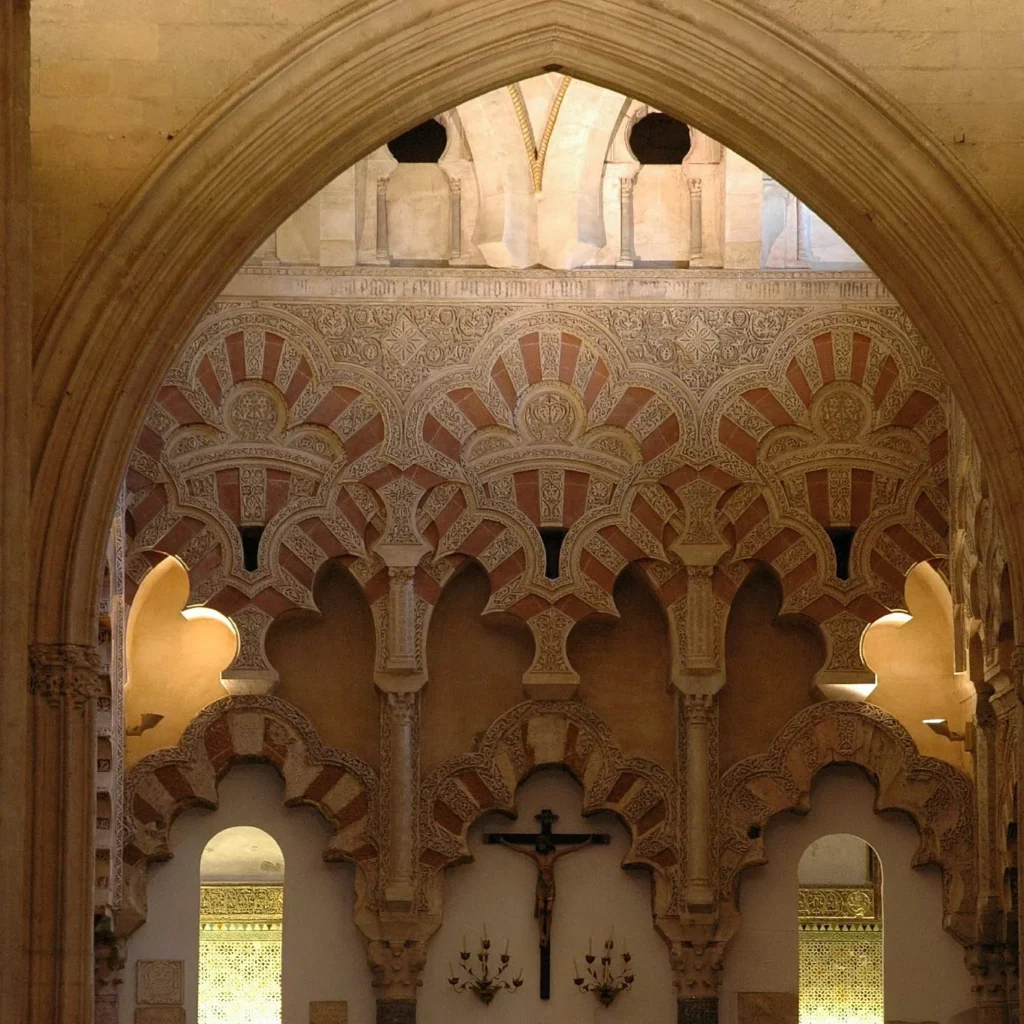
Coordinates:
(803, 231)
(382, 219)
(697, 712)
(455, 199)
(401, 711)
(696, 219)
(626, 254)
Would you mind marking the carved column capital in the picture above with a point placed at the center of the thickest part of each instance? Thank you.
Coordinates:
(396, 966)
(697, 707)
(697, 967)
(70, 672)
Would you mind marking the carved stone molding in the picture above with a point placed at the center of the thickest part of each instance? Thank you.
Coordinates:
(937, 797)
(539, 734)
(71, 672)
(242, 729)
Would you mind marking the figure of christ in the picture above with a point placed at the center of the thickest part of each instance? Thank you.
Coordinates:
(544, 848)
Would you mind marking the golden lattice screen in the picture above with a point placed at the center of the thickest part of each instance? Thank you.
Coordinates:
(841, 979)
(240, 954)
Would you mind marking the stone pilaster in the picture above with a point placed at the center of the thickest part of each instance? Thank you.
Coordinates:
(66, 680)
(15, 489)
(383, 253)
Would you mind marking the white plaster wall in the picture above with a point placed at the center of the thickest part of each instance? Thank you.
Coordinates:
(925, 976)
(324, 955)
(593, 894)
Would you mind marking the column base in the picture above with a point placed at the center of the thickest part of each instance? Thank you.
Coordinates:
(396, 1011)
(698, 1010)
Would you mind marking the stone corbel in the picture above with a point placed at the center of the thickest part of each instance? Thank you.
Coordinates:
(550, 676)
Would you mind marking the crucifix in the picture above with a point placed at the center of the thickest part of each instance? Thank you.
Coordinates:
(545, 847)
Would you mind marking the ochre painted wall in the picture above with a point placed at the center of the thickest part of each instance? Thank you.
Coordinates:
(326, 665)
(476, 667)
(770, 665)
(624, 672)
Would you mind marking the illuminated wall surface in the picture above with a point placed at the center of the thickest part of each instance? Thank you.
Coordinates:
(840, 956)
(240, 954)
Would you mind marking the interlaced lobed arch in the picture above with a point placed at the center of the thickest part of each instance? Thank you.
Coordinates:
(937, 797)
(233, 731)
(550, 734)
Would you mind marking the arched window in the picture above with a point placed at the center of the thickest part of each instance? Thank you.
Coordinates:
(840, 921)
(659, 139)
(424, 144)
(240, 928)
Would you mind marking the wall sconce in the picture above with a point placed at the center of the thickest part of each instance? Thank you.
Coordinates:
(605, 983)
(940, 726)
(147, 722)
(484, 985)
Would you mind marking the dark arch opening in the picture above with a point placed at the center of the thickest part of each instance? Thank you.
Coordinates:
(659, 139)
(423, 144)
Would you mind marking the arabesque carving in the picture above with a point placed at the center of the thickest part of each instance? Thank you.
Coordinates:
(242, 729)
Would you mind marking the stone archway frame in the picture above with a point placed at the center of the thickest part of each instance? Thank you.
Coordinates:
(937, 797)
(295, 121)
(237, 730)
(551, 734)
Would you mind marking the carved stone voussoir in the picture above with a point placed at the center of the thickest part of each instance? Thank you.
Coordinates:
(67, 672)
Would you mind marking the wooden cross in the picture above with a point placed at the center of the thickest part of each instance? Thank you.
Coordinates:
(543, 847)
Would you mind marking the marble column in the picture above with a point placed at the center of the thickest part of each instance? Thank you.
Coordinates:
(696, 219)
(382, 220)
(455, 200)
(66, 680)
(626, 253)
(401, 776)
(697, 1010)
(15, 487)
(698, 713)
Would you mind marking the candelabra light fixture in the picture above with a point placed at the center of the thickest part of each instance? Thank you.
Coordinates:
(477, 978)
(602, 980)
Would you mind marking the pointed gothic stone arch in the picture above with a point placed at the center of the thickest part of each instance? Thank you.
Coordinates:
(233, 731)
(298, 119)
(938, 798)
(550, 734)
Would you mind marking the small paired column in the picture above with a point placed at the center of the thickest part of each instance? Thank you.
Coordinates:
(696, 219)
(455, 208)
(382, 220)
(627, 256)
